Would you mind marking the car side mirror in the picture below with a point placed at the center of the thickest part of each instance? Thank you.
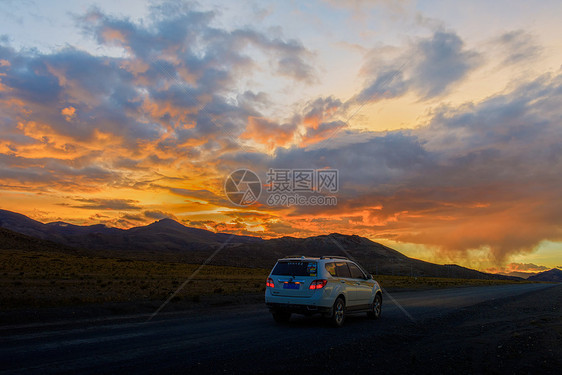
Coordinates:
(369, 276)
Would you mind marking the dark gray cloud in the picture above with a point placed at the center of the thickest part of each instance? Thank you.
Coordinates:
(45, 173)
(251, 101)
(210, 55)
(518, 46)
(106, 204)
(321, 108)
(101, 92)
(388, 83)
(323, 131)
(429, 67)
(29, 79)
(159, 215)
(440, 62)
(295, 67)
(201, 194)
(133, 218)
(367, 162)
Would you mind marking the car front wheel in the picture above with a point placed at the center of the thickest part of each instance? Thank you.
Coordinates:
(376, 307)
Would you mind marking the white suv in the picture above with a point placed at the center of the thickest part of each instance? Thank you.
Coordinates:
(329, 285)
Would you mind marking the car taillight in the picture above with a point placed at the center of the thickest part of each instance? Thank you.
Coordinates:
(269, 283)
(318, 284)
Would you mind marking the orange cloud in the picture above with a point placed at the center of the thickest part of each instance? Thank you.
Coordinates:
(113, 35)
(519, 269)
(68, 113)
(269, 133)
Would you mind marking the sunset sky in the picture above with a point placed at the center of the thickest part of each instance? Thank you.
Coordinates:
(443, 119)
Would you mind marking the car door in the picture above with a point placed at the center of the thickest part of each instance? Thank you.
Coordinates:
(362, 285)
(344, 275)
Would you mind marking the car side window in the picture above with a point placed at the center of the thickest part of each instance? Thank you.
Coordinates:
(356, 272)
(331, 268)
(342, 270)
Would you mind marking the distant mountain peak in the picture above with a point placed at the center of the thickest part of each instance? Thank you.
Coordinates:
(553, 275)
(163, 224)
(167, 220)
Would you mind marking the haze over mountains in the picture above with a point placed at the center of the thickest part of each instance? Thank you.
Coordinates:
(169, 240)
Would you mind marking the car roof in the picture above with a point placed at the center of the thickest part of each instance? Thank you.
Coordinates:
(304, 257)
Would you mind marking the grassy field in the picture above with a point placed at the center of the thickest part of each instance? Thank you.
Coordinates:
(37, 279)
(400, 282)
(31, 279)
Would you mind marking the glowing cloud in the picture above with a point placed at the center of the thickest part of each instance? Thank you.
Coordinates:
(68, 113)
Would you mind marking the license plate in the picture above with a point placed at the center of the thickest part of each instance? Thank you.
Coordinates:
(290, 286)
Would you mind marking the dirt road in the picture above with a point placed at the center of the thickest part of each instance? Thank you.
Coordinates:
(498, 329)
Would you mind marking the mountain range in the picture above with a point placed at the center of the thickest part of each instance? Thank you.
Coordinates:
(169, 240)
(553, 275)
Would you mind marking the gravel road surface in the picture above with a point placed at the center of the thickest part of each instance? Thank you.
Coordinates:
(496, 329)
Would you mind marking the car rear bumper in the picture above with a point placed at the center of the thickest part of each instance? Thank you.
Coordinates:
(297, 308)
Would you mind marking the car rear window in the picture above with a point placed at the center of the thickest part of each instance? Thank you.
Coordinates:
(295, 268)
(331, 268)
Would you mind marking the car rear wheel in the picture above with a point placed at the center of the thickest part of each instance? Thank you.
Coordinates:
(281, 316)
(338, 312)
(376, 307)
